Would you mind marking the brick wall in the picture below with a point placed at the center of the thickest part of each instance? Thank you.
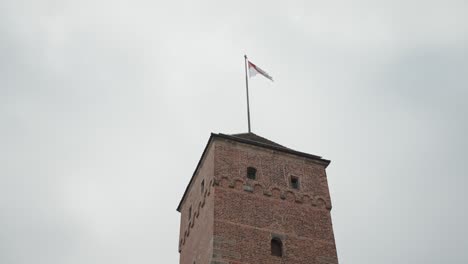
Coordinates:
(249, 213)
(235, 218)
(196, 233)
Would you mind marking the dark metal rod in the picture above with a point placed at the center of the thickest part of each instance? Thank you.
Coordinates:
(247, 90)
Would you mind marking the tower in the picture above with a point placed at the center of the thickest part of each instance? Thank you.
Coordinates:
(251, 200)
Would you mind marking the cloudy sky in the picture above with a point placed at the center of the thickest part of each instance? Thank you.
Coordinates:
(105, 107)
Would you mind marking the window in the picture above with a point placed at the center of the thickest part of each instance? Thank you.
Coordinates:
(276, 247)
(190, 213)
(251, 173)
(202, 186)
(294, 182)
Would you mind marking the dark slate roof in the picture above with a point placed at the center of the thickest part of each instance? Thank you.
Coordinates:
(251, 139)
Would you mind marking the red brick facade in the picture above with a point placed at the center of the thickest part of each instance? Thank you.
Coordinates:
(235, 218)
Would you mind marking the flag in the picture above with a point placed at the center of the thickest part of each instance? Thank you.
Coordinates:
(254, 69)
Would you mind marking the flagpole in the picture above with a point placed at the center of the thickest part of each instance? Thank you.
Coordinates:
(247, 90)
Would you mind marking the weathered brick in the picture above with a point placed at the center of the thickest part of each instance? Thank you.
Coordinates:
(240, 216)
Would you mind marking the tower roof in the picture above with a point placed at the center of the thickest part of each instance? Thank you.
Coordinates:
(254, 137)
(251, 139)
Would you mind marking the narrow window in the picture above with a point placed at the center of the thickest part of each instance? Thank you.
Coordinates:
(251, 173)
(276, 247)
(190, 213)
(203, 186)
(294, 182)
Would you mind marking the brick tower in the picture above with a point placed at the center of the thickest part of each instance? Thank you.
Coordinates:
(251, 200)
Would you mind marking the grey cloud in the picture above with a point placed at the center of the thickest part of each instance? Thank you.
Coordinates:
(106, 106)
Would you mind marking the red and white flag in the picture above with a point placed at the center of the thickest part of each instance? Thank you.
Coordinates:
(254, 69)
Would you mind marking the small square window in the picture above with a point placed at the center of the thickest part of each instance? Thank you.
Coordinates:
(251, 173)
(202, 186)
(294, 182)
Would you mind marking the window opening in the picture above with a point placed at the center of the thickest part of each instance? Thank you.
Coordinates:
(276, 247)
(294, 182)
(251, 173)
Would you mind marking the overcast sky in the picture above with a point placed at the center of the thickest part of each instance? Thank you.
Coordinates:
(105, 108)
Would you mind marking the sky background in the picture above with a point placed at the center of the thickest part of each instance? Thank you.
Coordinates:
(105, 108)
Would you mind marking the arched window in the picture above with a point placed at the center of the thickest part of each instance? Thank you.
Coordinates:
(251, 173)
(276, 247)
